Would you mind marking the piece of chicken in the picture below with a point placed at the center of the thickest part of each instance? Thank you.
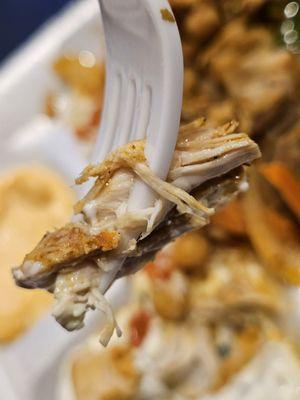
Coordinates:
(105, 240)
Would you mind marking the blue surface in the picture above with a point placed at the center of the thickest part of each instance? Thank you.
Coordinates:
(19, 18)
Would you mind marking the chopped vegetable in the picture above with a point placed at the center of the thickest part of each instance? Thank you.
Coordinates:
(283, 179)
(139, 325)
(230, 218)
(278, 249)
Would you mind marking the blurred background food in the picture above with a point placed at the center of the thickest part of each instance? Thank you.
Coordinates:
(33, 199)
(187, 332)
(79, 103)
(211, 313)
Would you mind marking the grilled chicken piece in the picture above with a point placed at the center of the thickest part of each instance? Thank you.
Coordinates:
(65, 246)
(105, 240)
(260, 83)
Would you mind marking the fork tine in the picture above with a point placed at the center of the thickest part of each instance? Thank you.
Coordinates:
(109, 118)
(128, 100)
(143, 117)
(137, 108)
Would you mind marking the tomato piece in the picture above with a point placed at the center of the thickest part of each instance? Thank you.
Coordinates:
(139, 326)
(283, 179)
(161, 268)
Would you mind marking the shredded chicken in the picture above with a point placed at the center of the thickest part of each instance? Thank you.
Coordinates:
(79, 262)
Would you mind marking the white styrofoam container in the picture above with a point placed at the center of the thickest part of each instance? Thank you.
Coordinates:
(28, 366)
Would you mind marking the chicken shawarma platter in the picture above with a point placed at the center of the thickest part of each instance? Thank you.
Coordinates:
(105, 240)
(212, 312)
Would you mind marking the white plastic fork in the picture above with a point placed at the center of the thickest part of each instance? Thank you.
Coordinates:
(144, 81)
